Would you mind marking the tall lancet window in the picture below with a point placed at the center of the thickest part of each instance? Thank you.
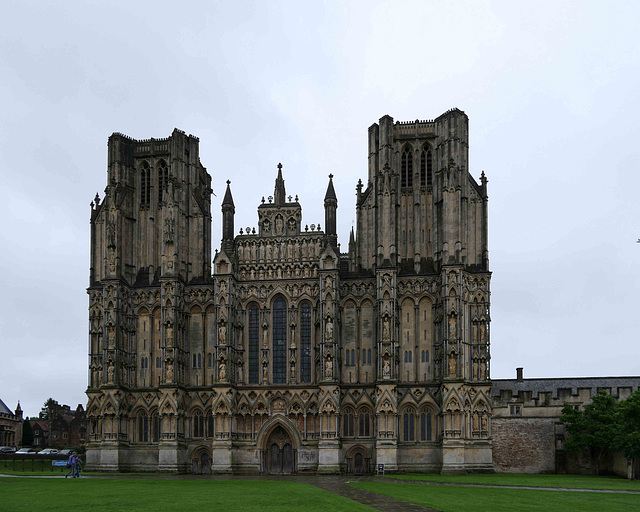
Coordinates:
(254, 347)
(426, 168)
(279, 341)
(145, 185)
(305, 342)
(163, 179)
(406, 171)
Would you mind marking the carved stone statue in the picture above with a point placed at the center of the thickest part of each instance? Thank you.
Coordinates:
(453, 364)
(169, 371)
(386, 328)
(328, 331)
(293, 336)
(452, 327)
(222, 371)
(328, 367)
(222, 333)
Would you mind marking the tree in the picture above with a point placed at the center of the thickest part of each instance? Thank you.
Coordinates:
(629, 435)
(27, 433)
(596, 427)
(47, 409)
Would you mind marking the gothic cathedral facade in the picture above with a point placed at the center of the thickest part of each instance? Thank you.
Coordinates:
(290, 356)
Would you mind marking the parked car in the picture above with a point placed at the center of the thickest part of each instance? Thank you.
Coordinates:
(66, 451)
(48, 451)
(26, 451)
(7, 449)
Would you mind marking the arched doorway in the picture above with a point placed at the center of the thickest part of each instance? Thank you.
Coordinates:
(358, 461)
(201, 463)
(280, 452)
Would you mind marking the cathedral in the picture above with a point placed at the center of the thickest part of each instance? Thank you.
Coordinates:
(281, 354)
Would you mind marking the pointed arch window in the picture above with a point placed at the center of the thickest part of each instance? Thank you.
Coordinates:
(279, 341)
(305, 342)
(198, 424)
(364, 423)
(145, 185)
(426, 168)
(254, 340)
(143, 428)
(406, 171)
(163, 179)
(349, 423)
(426, 426)
(409, 422)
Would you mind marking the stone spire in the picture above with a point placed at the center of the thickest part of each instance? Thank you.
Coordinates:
(279, 192)
(228, 211)
(330, 207)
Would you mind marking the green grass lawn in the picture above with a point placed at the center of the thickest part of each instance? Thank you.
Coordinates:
(521, 480)
(448, 498)
(29, 494)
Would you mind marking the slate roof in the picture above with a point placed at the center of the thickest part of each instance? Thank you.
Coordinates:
(537, 386)
(4, 409)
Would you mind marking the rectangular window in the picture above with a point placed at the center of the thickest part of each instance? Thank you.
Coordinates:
(515, 410)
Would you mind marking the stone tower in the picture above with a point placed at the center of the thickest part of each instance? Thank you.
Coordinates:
(422, 228)
(150, 244)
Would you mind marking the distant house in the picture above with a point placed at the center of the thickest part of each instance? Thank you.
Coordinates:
(64, 427)
(40, 429)
(10, 425)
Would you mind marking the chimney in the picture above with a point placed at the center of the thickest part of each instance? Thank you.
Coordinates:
(519, 376)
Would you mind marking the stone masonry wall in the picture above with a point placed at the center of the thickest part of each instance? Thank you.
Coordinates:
(523, 445)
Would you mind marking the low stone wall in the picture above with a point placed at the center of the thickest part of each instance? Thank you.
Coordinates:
(523, 445)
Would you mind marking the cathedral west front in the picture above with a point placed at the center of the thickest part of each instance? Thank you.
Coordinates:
(279, 354)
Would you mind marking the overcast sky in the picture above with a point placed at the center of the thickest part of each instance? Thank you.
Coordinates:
(551, 90)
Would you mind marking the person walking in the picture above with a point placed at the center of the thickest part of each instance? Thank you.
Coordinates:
(71, 464)
(78, 466)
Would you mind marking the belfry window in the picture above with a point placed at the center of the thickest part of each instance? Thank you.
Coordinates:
(163, 179)
(145, 185)
(426, 168)
(279, 341)
(406, 171)
(254, 340)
